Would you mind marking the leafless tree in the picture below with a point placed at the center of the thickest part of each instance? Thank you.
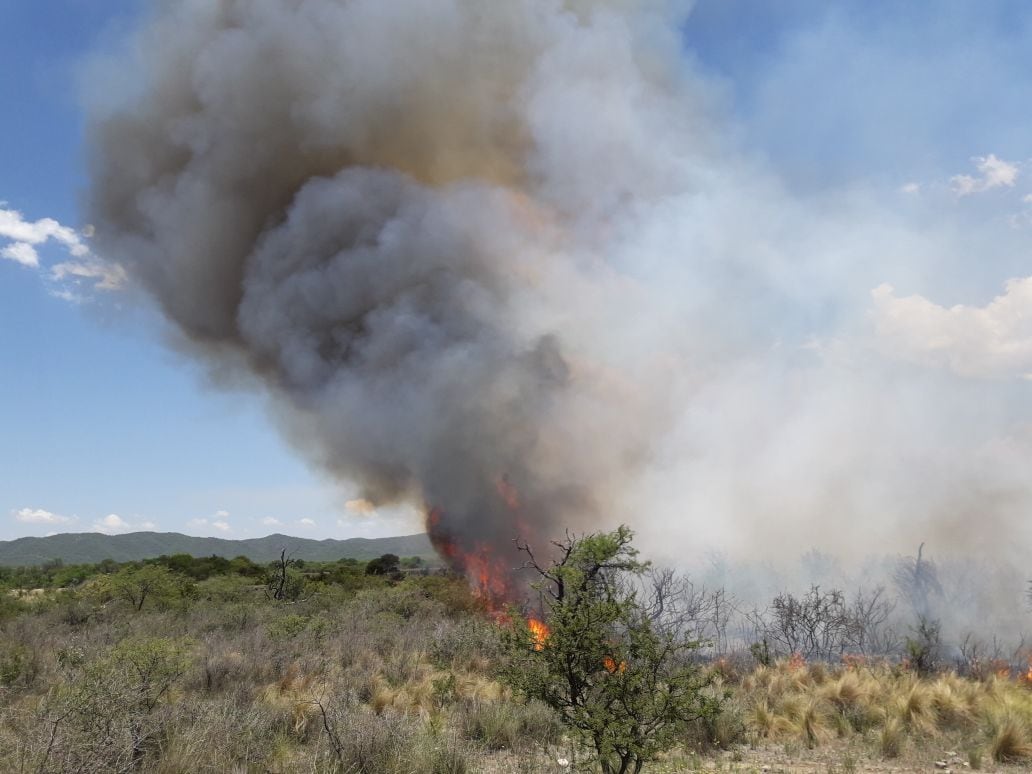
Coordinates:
(816, 625)
(918, 582)
(871, 632)
(285, 583)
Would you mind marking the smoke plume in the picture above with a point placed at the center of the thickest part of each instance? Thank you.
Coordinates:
(504, 261)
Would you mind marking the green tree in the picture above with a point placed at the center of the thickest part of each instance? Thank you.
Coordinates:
(388, 564)
(136, 585)
(613, 663)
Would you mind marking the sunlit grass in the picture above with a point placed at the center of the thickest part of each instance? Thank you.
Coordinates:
(894, 708)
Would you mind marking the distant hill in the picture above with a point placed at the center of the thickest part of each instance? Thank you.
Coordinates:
(91, 547)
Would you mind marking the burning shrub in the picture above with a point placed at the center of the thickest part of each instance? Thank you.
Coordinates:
(617, 671)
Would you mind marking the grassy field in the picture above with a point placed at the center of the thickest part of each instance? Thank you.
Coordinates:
(360, 673)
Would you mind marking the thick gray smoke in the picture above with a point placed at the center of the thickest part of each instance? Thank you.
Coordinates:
(503, 260)
(391, 213)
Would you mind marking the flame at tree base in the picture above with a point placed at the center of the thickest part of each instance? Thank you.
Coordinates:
(489, 577)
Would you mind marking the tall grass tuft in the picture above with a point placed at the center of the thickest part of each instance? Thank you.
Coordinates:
(892, 738)
(1009, 738)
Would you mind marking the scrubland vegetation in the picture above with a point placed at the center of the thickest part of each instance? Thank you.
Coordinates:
(184, 664)
(143, 667)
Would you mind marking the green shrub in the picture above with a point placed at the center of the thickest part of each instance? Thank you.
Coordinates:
(621, 679)
(288, 626)
(444, 690)
(17, 664)
(10, 607)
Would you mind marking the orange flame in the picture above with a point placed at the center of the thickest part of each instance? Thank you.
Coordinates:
(508, 493)
(612, 667)
(538, 633)
(1027, 677)
(853, 662)
(490, 575)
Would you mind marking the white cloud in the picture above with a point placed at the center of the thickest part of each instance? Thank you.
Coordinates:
(112, 524)
(217, 521)
(995, 173)
(40, 516)
(106, 276)
(84, 266)
(148, 525)
(990, 341)
(306, 522)
(13, 226)
(270, 521)
(21, 252)
(911, 188)
(66, 295)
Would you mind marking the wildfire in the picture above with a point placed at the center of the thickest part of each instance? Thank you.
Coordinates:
(508, 493)
(490, 576)
(538, 633)
(480, 557)
(612, 667)
(853, 662)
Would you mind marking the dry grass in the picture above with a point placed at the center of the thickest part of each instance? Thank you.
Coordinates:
(1009, 736)
(891, 709)
(394, 680)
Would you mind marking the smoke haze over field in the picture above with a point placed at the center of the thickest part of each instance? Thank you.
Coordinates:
(481, 253)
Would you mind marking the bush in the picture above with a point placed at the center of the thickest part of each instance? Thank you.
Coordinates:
(288, 626)
(107, 718)
(17, 664)
(388, 564)
(139, 585)
(388, 743)
(620, 676)
(504, 725)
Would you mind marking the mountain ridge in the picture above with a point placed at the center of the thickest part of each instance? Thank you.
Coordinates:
(92, 547)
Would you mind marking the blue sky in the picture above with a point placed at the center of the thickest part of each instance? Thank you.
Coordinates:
(104, 427)
(99, 418)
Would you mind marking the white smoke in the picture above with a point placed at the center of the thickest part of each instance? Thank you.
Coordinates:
(467, 243)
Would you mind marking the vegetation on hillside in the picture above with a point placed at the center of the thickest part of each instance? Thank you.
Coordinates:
(93, 547)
